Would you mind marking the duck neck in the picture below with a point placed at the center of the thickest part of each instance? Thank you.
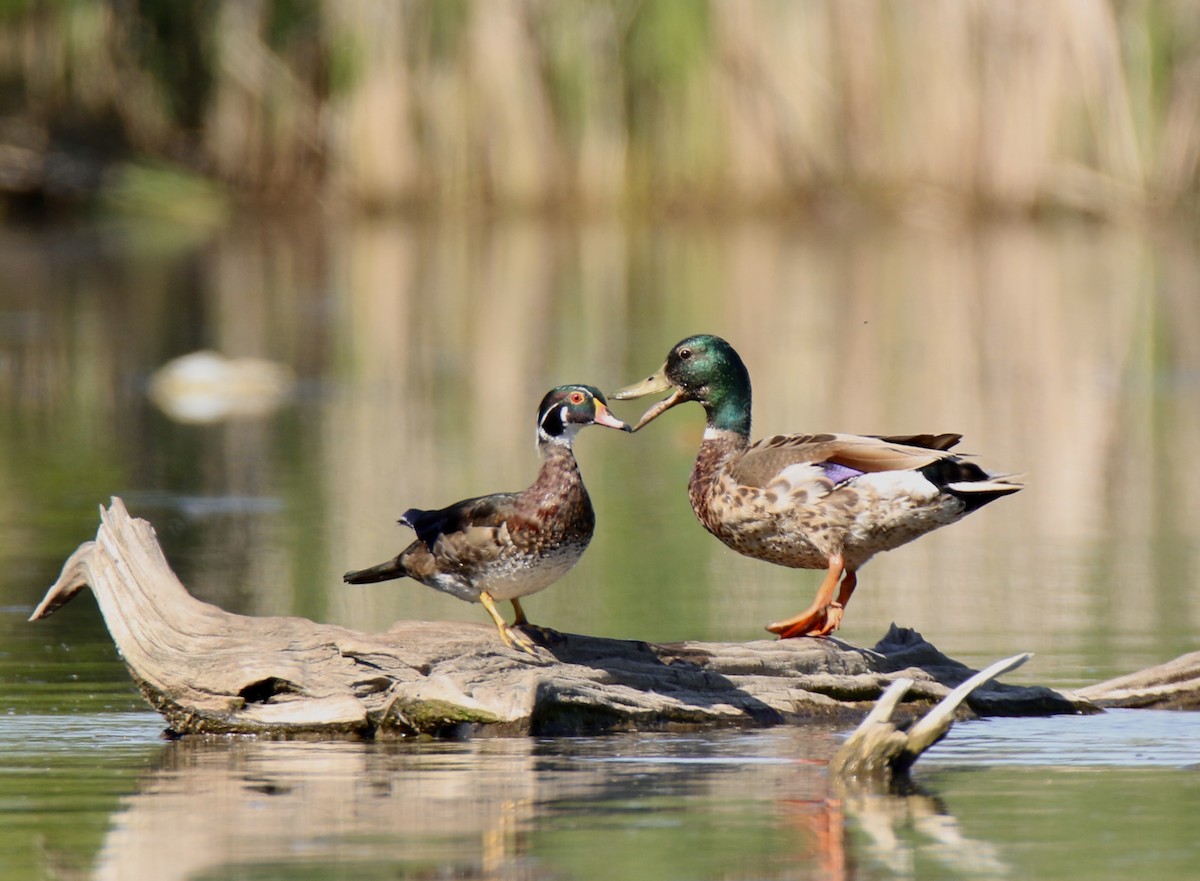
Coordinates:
(558, 499)
(559, 473)
(727, 431)
(728, 404)
(717, 449)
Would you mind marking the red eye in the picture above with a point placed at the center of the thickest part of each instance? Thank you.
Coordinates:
(576, 398)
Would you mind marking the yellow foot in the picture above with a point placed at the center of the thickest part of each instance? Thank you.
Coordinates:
(515, 639)
(512, 637)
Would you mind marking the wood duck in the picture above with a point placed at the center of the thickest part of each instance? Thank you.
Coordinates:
(809, 501)
(508, 545)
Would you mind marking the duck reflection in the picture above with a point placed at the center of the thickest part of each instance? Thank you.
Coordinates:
(735, 804)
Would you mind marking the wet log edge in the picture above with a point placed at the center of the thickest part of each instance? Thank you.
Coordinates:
(208, 671)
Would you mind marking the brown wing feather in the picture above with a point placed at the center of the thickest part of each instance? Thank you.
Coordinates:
(472, 548)
(925, 441)
(491, 510)
(765, 459)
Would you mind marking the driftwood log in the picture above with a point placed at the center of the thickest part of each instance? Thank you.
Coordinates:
(209, 671)
(879, 753)
(1174, 685)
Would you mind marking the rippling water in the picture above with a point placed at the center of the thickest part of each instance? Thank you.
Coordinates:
(1129, 738)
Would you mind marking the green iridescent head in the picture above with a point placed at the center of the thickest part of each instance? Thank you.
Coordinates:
(702, 368)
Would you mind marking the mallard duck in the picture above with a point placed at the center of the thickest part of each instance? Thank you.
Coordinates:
(508, 545)
(809, 501)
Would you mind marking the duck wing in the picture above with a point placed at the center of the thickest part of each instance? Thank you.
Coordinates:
(486, 512)
(924, 441)
(469, 535)
(840, 457)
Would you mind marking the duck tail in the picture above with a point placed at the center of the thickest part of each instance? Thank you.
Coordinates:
(977, 492)
(383, 572)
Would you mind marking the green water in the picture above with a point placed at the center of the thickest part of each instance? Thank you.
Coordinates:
(1069, 353)
(98, 795)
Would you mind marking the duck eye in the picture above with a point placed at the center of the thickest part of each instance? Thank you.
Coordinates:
(685, 354)
(576, 398)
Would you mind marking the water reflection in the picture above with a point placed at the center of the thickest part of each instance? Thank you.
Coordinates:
(656, 807)
(721, 805)
(310, 804)
(670, 806)
(898, 832)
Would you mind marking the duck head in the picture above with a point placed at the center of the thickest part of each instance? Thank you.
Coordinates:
(702, 368)
(568, 408)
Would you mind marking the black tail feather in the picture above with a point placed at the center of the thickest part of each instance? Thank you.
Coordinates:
(383, 572)
(969, 483)
(953, 470)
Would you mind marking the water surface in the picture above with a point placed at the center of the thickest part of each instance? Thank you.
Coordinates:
(1070, 353)
(102, 796)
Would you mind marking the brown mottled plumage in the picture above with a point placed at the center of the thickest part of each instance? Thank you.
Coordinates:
(508, 545)
(816, 501)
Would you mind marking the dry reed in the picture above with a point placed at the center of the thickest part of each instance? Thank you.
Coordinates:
(596, 105)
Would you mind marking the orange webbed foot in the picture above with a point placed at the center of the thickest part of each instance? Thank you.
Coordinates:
(798, 626)
(825, 614)
(815, 622)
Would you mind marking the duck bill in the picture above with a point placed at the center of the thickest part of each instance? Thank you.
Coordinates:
(651, 386)
(604, 416)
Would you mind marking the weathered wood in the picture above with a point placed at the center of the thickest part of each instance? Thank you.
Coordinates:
(1174, 685)
(879, 753)
(207, 670)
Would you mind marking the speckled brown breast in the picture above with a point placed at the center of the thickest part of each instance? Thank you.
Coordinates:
(545, 543)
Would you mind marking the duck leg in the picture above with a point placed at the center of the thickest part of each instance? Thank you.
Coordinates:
(544, 634)
(512, 638)
(836, 609)
(520, 620)
(824, 615)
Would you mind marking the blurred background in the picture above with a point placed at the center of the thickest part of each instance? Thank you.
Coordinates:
(398, 223)
(710, 108)
(377, 232)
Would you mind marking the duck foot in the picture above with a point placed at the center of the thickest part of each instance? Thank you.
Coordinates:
(814, 622)
(825, 614)
(513, 638)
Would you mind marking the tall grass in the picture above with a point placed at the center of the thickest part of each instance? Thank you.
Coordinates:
(924, 107)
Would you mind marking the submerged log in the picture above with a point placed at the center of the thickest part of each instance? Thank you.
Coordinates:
(879, 754)
(210, 671)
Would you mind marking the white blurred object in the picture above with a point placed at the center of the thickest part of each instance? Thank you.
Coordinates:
(206, 386)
